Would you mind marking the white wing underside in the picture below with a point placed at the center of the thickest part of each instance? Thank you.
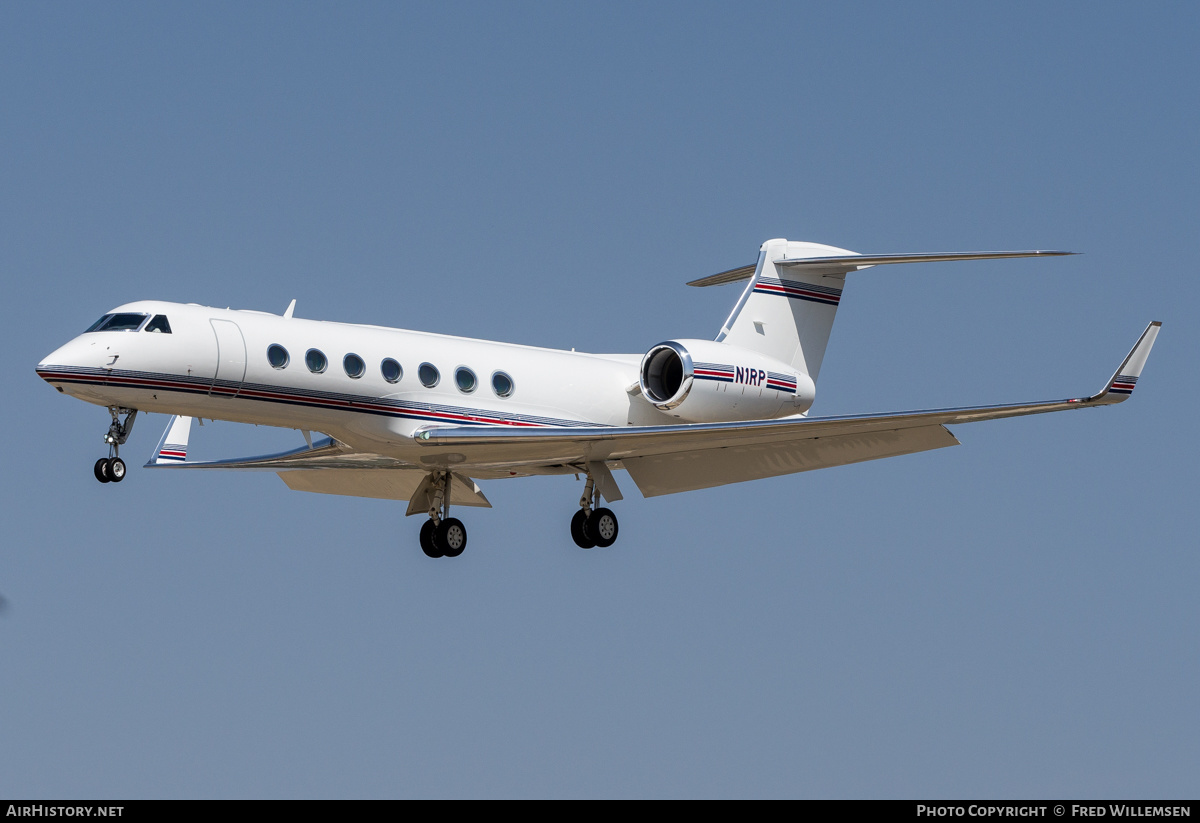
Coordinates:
(660, 459)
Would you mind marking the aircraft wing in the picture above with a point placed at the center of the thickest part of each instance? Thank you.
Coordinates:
(323, 466)
(668, 459)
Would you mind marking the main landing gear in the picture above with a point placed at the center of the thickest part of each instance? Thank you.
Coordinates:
(442, 535)
(111, 469)
(593, 525)
(446, 536)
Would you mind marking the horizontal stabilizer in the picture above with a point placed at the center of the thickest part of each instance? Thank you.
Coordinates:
(848, 263)
(731, 276)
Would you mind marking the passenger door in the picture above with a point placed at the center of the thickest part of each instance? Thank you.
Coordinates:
(231, 359)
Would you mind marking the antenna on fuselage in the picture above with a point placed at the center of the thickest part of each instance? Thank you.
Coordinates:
(291, 308)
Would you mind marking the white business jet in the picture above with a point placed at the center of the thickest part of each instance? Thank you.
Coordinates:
(421, 417)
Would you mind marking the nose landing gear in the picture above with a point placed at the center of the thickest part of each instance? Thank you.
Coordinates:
(111, 469)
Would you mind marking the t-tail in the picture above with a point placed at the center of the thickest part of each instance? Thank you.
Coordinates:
(786, 310)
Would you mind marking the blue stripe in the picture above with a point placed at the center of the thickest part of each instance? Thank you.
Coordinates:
(433, 412)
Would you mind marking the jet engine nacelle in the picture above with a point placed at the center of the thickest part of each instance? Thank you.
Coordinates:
(703, 381)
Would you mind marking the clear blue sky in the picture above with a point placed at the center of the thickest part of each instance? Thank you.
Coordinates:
(1014, 617)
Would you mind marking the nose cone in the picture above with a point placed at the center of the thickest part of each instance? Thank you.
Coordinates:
(83, 355)
(58, 357)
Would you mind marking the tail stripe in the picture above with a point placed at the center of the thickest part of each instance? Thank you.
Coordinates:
(798, 291)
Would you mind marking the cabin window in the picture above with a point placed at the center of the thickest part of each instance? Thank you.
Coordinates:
(391, 370)
(428, 375)
(316, 361)
(502, 384)
(119, 322)
(159, 324)
(278, 356)
(354, 366)
(465, 378)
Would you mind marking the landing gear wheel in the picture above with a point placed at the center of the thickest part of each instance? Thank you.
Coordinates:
(601, 528)
(452, 536)
(429, 541)
(116, 469)
(579, 530)
(101, 470)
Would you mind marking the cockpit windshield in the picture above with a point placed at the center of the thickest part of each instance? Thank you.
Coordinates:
(119, 322)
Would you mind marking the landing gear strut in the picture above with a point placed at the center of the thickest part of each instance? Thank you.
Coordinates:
(593, 525)
(442, 535)
(111, 469)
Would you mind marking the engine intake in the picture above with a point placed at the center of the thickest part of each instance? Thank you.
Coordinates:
(667, 375)
(703, 381)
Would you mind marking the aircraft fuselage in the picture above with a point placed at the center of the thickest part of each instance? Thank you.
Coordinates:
(215, 364)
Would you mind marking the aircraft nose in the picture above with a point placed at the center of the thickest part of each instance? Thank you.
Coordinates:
(65, 358)
(55, 358)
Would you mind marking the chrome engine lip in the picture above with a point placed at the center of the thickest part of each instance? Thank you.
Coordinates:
(685, 386)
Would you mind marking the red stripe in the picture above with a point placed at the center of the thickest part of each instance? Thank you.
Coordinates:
(313, 401)
(789, 290)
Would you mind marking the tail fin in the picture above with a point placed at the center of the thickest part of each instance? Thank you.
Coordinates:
(787, 312)
(787, 309)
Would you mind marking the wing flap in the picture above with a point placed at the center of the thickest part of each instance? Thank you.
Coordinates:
(706, 468)
(397, 484)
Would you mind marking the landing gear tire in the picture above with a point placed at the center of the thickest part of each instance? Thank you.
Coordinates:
(601, 528)
(429, 541)
(579, 530)
(116, 469)
(452, 536)
(101, 470)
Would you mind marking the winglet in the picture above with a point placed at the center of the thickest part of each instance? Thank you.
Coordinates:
(1126, 376)
(172, 446)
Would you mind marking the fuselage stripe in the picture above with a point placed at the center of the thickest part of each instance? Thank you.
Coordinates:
(392, 408)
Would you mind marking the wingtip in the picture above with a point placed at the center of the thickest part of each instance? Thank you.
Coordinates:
(1124, 380)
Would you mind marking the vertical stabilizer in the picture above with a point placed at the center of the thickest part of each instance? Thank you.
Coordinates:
(787, 313)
